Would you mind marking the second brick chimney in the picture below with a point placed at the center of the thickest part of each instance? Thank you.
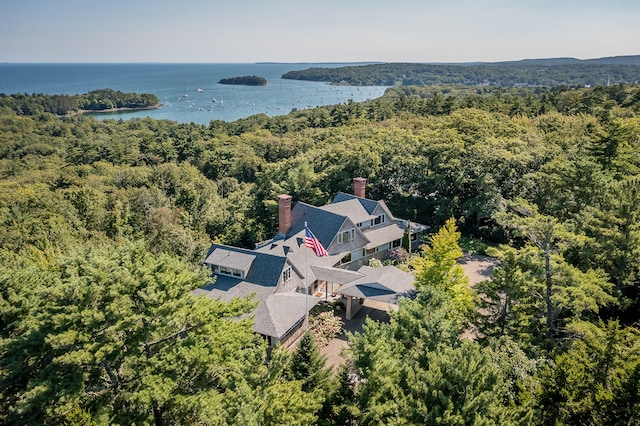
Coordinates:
(284, 213)
(359, 187)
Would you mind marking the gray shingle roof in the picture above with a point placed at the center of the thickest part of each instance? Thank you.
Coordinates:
(265, 268)
(353, 209)
(324, 224)
(335, 275)
(226, 288)
(383, 234)
(386, 284)
(232, 259)
(298, 254)
(369, 205)
(275, 314)
(279, 309)
(281, 312)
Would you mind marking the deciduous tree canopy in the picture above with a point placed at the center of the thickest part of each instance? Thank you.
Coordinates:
(96, 100)
(104, 225)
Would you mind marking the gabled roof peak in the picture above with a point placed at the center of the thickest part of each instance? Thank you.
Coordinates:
(231, 258)
(369, 205)
(324, 224)
(260, 268)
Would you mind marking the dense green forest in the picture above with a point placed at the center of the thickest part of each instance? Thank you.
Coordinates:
(506, 74)
(96, 100)
(104, 224)
(248, 80)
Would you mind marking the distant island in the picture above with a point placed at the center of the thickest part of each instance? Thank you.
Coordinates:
(526, 73)
(247, 80)
(103, 100)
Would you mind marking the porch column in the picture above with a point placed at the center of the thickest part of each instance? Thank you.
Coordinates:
(349, 303)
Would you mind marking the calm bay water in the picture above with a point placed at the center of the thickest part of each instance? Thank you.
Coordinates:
(188, 92)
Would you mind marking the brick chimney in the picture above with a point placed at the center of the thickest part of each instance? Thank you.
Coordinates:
(359, 187)
(284, 213)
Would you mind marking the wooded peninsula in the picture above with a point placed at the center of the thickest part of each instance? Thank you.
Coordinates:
(527, 73)
(104, 226)
(95, 101)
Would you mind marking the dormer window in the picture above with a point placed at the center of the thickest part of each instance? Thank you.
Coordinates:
(225, 270)
(286, 275)
(346, 236)
(378, 220)
(230, 262)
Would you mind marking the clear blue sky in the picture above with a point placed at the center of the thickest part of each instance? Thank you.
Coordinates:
(315, 30)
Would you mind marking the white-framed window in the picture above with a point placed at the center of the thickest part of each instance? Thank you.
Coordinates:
(369, 252)
(286, 275)
(225, 270)
(378, 220)
(346, 236)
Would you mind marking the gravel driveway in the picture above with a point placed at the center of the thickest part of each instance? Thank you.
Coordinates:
(333, 351)
(478, 268)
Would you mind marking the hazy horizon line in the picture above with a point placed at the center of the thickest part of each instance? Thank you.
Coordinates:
(307, 62)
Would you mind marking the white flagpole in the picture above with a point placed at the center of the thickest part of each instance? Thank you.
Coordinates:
(306, 283)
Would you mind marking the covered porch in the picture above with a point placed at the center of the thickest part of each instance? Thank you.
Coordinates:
(384, 286)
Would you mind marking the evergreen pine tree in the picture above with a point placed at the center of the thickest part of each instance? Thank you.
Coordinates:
(567, 292)
(308, 365)
(340, 407)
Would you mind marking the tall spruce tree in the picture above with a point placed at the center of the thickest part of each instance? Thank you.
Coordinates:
(596, 380)
(502, 312)
(264, 394)
(614, 226)
(419, 370)
(340, 407)
(117, 331)
(308, 365)
(567, 293)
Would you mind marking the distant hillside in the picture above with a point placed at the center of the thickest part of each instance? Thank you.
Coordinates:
(617, 60)
(528, 72)
(611, 60)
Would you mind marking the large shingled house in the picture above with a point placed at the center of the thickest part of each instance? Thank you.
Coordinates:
(352, 229)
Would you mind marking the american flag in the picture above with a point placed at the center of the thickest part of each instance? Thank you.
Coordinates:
(312, 242)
